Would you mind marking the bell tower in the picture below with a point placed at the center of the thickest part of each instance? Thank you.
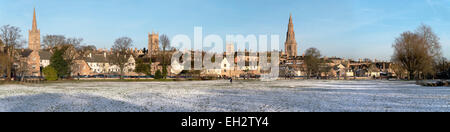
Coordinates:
(34, 38)
(153, 43)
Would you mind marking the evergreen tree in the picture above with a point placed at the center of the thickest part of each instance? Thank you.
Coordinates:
(164, 72)
(158, 74)
(142, 67)
(59, 64)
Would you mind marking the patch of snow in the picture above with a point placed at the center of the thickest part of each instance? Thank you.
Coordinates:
(221, 96)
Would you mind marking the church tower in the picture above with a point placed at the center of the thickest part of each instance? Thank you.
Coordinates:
(291, 43)
(153, 43)
(34, 44)
(34, 38)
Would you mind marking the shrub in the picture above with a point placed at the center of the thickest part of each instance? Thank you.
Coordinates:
(158, 74)
(50, 73)
(164, 72)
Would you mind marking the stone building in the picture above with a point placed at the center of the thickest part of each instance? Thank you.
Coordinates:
(153, 43)
(45, 58)
(291, 43)
(99, 64)
(34, 45)
(80, 67)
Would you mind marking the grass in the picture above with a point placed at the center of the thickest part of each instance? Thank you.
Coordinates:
(110, 80)
(114, 80)
(105, 80)
(2, 82)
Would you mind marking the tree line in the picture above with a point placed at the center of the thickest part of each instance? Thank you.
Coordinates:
(417, 55)
(64, 51)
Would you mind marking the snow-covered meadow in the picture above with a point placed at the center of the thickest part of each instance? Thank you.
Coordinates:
(221, 96)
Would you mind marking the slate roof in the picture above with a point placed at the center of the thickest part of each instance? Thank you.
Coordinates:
(97, 58)
(26, 53)
(45, 55)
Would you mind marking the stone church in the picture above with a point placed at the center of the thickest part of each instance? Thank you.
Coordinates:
(31, 55)
(153, 43)
(291, 43)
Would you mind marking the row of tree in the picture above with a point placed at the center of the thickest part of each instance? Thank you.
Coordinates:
(417, 55)
(66, 50)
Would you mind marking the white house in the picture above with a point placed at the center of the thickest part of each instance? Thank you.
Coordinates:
(45, 58)
(99, 64)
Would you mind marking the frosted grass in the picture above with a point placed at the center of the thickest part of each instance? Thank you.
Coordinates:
(221, 96)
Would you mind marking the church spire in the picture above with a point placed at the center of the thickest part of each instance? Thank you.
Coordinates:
(291, 27)
(34, 21)
(291, 43)
(34, 38)
(290, 38)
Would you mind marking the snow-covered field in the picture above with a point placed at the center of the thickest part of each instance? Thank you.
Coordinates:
(212, 96)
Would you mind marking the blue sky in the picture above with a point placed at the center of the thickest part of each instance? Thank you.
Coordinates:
(344, 28)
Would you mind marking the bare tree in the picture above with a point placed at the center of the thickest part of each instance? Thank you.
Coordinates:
(86, 49)
(398, 70)
(70, 55)
(51, 41)
(3, 64)
(22, 69)
(1, 46)
(312, 61)
(11, 38)
(165, 44)
(3, 58)
(325, 69)
(75, 42)
(346, 64)
(409, 52)
(120, 55)
(443, 68)
(417, 52)
(372, 68)
(431, 42)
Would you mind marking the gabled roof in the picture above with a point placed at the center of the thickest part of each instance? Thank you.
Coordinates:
(45, 55)
(26, 53)
(97, 58)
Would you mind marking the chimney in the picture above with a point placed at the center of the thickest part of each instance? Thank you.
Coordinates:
(104, 54)
(90, 55)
